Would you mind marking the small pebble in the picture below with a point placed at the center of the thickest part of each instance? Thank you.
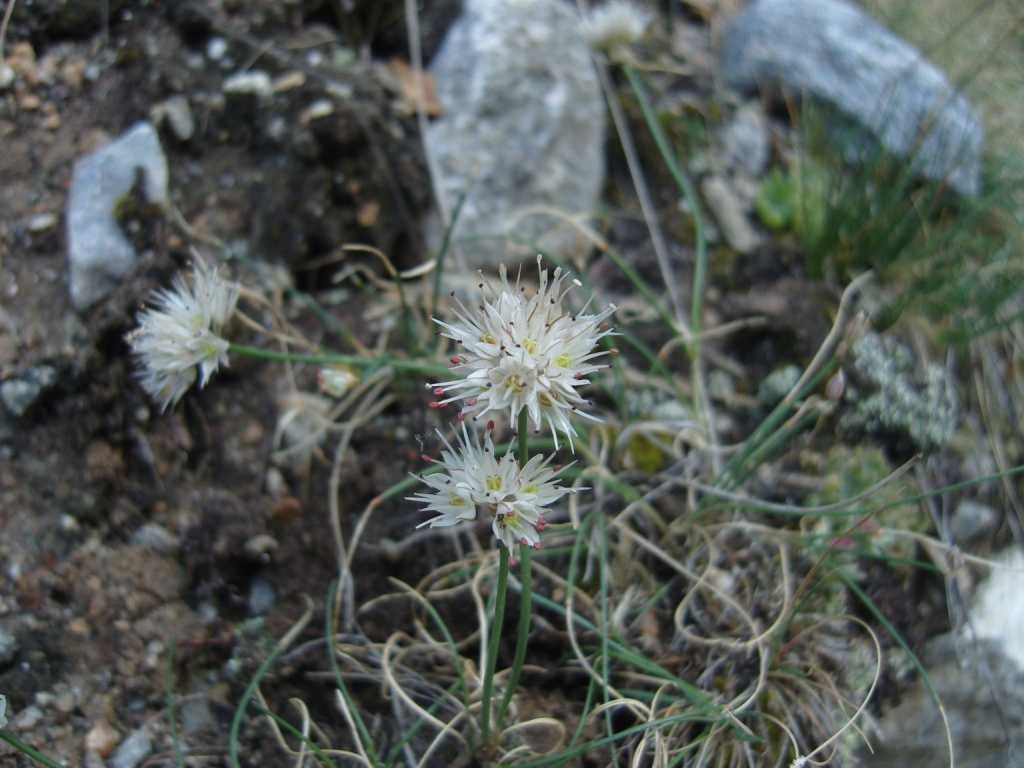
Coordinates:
(102, 738)
(52, 121)
(319, 108)
(133, 750)
(261, 597)
(29, 101)
(275, 483)
(288, 81)
(254, 81)
(216, 47)
(65, 702)
(9, 647)
(179, 117)
(42, 222)
(260, 545)
(28, 718)
(157, 538)
(79, 626)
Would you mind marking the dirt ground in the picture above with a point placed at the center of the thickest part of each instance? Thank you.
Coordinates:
(123, 529)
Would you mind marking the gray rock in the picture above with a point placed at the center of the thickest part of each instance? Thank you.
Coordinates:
(9, 647)
(972, 520)
(980, 681)
(834, 52)
(727, 209)
(523, 126)
(132, 750)
(743, 143)
(20, 393)
(157, 538)
(98, 251)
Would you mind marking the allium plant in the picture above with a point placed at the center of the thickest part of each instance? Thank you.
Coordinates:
(524, 354)
(178, 338)
(615, 26)
(529, 356)
(473, 478)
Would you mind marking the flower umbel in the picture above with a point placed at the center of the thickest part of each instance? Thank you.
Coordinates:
(614, 27)
(180, 332)
(473, 479)
(519, 353)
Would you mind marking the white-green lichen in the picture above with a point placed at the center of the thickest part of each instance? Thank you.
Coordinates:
(901, 402)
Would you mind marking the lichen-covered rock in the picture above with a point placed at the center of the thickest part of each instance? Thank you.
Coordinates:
(523, 126)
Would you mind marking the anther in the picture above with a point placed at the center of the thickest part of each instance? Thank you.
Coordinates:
(578, 376)
(471, 402)
(512, 561)
(613, 351)
(424, 457)
(490, 425)
(453, 294)
(460, 416)
(537, 546)
(438, 390)
(433, 404)
(453, 360)
(524, 542)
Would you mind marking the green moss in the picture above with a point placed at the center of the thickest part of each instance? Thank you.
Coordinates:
(849, 472)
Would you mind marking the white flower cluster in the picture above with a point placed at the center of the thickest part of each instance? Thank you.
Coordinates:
(520, 353)
(180, 332)
(474, 478)
(614, 27)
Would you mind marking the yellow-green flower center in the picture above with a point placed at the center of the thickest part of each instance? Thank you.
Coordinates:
(530, 345)
(488, 338)
(530, 488)
(493, 483)
(455, 500)
(563, 360)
